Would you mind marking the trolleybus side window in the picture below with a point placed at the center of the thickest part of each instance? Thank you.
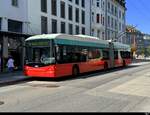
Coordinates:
(116, 54)
(71, 54)
(105, 55)
(94, 53)
(125, 54)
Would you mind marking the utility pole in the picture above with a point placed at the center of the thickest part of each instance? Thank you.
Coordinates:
(106, 37)
(90, 17)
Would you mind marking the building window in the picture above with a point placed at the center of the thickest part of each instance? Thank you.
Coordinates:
(70, 12)
(112, 23)
(14, 3)
(103, 5)
(14, 26)
(98, 3)
(63, 27)
(54, 7)
(44, 26)
(83, 31)
(92, 32)
(101, 19)
(108, 21)
(54, 26)
(70, 29)
(92, 16)
(83, 3)
(119, 14)
(77, 29)
(98, 33)
(98, 18)
(77, 2)
(83, 17)
(119, 26)
(123, 16)
(108, 6)
(77, 15)
(116, 25)
(62, 9)
(112, 9)
(0, 23)
(44, 6)
(116, 11)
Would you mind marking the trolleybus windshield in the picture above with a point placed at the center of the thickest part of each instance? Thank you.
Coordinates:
(39, 53)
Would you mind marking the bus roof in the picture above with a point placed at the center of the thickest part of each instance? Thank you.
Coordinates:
(86, 36)
(121, 46)
(82, 40)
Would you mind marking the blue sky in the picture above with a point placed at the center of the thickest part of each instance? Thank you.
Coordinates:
(138, 14)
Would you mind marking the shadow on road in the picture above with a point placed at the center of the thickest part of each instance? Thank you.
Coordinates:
(85, 75)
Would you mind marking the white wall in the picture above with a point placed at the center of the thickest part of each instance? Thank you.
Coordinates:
(34, 16)
(7, 11)
(98, 26)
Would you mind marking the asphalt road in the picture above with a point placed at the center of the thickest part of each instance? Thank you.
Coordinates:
(118, 90)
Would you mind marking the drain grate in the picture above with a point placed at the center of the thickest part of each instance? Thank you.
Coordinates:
(1, 102)
(45, 85)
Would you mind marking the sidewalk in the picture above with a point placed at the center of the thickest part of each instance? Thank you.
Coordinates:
(11, 78)
(140, 60)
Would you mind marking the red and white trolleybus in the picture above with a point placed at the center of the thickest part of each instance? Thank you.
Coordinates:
(58, 55)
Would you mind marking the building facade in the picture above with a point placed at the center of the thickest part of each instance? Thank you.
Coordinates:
(101, 18)
(47, 16)
(13, 19)
(59, 16)
(98, 18)
(135, 39)
(115, 20)
(147, 40)
(108, 19)
(147, 44)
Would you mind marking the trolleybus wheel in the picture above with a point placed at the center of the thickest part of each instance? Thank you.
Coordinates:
(124, 63)
(75, 71)
(105, 66)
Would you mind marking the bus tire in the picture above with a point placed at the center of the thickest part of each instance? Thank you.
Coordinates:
(124, 63)
(105, 66)
(75, 71)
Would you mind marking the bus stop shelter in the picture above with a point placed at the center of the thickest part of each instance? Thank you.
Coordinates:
(12, 43)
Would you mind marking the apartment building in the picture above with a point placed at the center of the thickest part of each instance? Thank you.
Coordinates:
(135, 39)
(59, 16)
(98, 18)
(108, 19)
(115, 20)
(13, 15)
(46, 16)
